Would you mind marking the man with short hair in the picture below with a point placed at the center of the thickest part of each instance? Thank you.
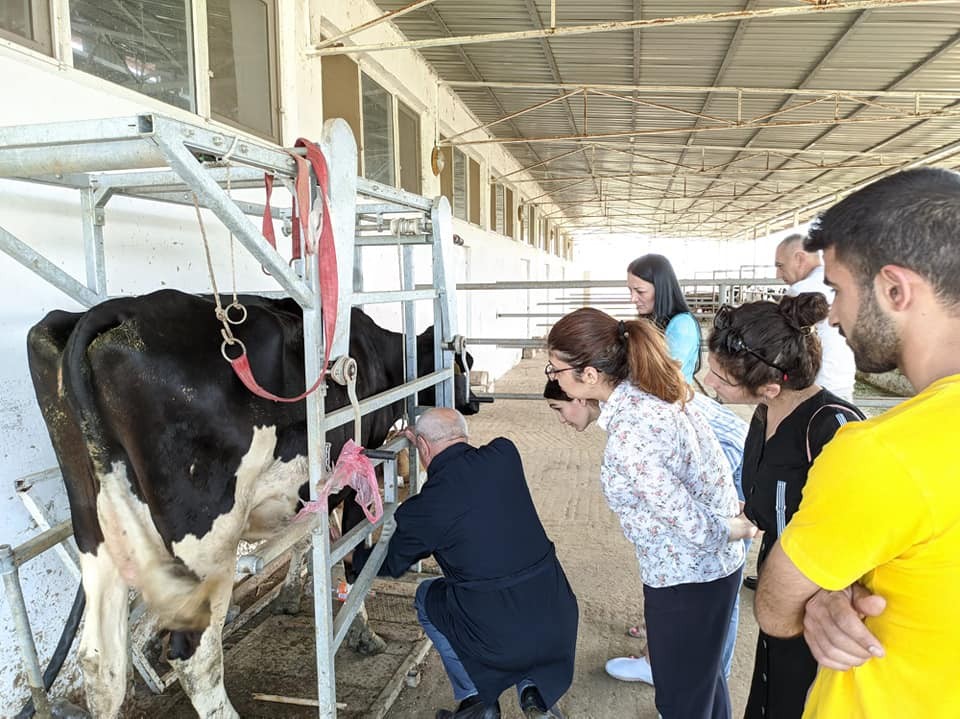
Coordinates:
(802, 270)
(503, 613)
(869, 567)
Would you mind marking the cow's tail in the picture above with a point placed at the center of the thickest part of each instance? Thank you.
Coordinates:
(179, 599)
(76, 376)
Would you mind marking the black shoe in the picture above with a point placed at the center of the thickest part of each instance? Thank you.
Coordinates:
(750, 582)
(471, 708)
(534, 707)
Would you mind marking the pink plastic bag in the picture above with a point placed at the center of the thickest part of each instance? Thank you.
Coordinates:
(353, 469)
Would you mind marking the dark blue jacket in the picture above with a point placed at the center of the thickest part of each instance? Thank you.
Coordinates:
(504, 602)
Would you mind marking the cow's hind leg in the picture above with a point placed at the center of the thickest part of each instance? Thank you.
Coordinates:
(104, 651)
(199, 664)
(289, 599)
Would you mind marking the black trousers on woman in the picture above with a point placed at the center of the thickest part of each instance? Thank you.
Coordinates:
(686, 627)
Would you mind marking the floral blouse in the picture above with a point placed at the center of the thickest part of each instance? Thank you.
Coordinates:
(666, 478)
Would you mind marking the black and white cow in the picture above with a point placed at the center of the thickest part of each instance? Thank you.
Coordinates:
(169, 461)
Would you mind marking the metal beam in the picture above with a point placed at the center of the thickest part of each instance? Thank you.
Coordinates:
(661, 90)
(392, 15)
(597, 28)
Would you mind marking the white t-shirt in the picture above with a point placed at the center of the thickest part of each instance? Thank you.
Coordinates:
(837, 369)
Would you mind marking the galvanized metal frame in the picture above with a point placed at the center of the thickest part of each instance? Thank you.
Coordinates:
(76, 155)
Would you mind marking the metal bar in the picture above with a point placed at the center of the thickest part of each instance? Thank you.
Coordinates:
(405, 200)
(578, 284)
(92, 221)
(748, 125)
(510, 342)
(65, 550)
(40, 265)
(345, 414)
(373, 298)
(543, 162)
(487, 125)
(21, 622)
(35, 546)
(361, 587)
(384, 208)
(241, 177)
(698, 90)
(392, 15)
(675, 21)
(390, 240)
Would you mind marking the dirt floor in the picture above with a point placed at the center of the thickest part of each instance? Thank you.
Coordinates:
(274, 654)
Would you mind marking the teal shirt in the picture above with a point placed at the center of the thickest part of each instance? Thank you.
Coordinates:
(683, 342)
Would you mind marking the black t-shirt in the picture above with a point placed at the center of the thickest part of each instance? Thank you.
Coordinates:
(775, 470)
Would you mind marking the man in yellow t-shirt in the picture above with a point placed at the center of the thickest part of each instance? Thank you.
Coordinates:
(869, 567)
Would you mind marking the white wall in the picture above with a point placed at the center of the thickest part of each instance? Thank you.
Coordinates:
(153, 246)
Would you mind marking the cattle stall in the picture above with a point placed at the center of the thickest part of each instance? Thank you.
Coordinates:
(154, 158)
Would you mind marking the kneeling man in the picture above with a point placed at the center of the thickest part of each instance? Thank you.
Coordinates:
(503, 613)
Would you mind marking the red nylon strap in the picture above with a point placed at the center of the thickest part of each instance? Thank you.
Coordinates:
(241, 367)
(326, 259)
(267, 227)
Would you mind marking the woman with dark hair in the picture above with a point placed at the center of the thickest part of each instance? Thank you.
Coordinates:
(656, 293)
(665, 476)
(767, 354)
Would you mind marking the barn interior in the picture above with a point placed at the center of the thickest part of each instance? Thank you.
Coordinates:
(567, 138)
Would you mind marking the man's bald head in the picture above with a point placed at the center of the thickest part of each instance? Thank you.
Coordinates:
(792, 261)
(441, 423)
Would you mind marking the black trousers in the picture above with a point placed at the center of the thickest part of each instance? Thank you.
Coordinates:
(686, 627)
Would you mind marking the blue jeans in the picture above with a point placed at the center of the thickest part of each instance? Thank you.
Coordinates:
(730, 642)
(463, 686)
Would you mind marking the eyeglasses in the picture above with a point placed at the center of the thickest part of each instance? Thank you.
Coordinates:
(723, 320)
(551, 372)
(723, 379)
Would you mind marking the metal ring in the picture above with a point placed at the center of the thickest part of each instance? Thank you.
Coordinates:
(240, 308)
(223, 349)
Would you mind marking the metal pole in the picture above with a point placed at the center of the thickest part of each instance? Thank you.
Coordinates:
(93, 219)
(21, 621)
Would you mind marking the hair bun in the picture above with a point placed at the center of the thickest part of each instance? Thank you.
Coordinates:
(804, 310)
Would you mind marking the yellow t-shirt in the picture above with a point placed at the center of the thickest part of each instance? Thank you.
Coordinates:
(882, 506)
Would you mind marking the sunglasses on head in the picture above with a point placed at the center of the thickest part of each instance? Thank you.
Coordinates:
(733, 341)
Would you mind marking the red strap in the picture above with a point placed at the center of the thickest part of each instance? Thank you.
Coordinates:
(241, 366)
(267, 227)
(326, 259)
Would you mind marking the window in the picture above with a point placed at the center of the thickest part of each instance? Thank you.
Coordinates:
(341, 94)
(243, 73)
(473, 189)
(408, 131)
(27, 22)
(148, 46)
(498, 210)
(510, 228)
(459, 184)
(145, 45)
(378, 154)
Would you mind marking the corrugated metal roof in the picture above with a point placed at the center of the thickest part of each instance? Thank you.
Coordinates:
(657, 160)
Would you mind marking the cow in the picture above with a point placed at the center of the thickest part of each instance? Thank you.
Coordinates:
(169, 461)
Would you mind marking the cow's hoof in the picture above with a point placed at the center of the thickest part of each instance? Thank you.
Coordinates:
(288, 601)
(364, 640)
(62, 709)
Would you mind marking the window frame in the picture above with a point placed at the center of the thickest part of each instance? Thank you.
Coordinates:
(273, 72)
(41, 24)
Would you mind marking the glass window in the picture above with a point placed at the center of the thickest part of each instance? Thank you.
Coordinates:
(144, 45)
(27, 22)
(378, 155)
(408, 130)
(459, 184)
(499, 211)
(242, 52)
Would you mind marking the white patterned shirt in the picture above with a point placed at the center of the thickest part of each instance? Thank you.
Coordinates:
(666, 478)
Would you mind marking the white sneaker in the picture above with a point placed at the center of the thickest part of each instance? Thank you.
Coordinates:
(630, 669)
